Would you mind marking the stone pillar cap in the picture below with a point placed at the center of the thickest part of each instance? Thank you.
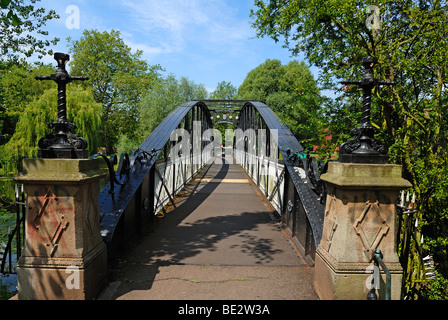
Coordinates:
(365, 175)
(59, 170)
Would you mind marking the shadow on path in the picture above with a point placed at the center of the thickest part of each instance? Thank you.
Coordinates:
(214, 224)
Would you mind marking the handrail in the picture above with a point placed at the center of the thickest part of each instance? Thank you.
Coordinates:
(14, 234)
(377, 257)
(8, 251)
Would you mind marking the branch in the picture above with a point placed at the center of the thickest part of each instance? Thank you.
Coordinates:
(407, 112)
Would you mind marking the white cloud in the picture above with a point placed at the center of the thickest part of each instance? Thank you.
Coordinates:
(174, 26)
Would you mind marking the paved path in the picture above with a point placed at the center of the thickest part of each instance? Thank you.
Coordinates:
(221, 241)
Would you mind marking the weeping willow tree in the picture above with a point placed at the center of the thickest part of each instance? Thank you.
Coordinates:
(33, 122)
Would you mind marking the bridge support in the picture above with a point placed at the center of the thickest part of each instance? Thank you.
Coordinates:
(360, 217)
(64, 256)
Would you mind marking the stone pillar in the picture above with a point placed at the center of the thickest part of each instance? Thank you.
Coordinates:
(64, 256)
(360, 217)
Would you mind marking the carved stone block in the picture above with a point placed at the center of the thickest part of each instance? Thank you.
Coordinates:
(360, 217)
(64, 256)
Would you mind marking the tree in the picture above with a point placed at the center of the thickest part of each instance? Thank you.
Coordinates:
(118, 77)
(19, 88)
(291, 92)
(224, 91)
(18, 24)
(33, 122)
(167, 94)
(410, 44)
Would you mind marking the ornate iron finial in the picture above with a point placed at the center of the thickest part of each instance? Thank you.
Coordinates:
(62, 143)
(364, 148)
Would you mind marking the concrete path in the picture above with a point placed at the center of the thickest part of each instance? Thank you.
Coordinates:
(221, 241)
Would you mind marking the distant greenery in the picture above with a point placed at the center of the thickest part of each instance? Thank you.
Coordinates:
(166, 95)
(18, 89)
(119, 79)
(19, 23)
(224, 91)
(33, 121)
(291, 91)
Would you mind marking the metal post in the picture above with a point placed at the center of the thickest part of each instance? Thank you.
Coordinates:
(62, 143)
(364, 148)
(18, 205)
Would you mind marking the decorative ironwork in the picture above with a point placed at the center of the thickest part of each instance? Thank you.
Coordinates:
(62, 142)
(364, 148)
(224, 111)
(313, 171)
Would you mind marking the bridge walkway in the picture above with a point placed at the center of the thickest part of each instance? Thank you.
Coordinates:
(220, 241)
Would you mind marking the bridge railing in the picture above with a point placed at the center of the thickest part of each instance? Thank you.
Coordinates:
(147, 180)
(268, 173)
(12, 249)
(289, 178)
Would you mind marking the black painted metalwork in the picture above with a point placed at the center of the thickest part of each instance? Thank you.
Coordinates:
(303, 205)
(364, 148)
(138, 190)
(16, 237)
(224, 111)
(147, 181)
(62, 142)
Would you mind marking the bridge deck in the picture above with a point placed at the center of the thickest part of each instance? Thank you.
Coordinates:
(221, 241)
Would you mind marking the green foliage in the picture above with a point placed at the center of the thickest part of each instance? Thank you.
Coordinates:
(437, 289)
(291, 92)
(224, 91)
(18, 22)
(118, 77)
(167, 94)
(18, 89)
(7, 223)
(82, 110)
(411, 116)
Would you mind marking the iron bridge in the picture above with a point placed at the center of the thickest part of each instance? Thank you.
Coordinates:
(147, 180)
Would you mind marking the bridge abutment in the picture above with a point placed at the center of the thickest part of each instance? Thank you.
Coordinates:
(64, 256)
(360, 217)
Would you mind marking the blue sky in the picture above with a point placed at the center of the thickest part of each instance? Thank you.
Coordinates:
(207, 41)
